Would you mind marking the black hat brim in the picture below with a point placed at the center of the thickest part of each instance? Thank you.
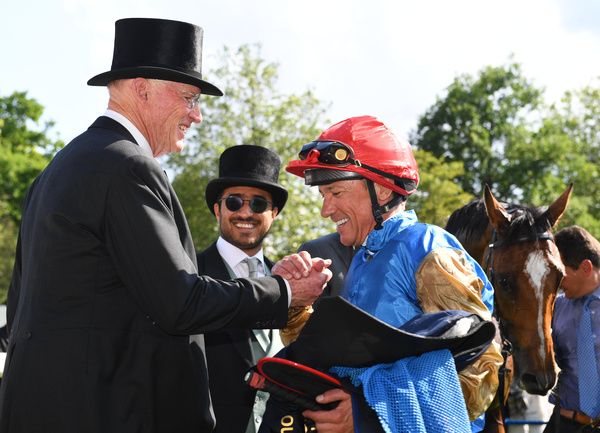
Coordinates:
(167, 74)
(297, 377)
(292, 383)
(216, 186)
(341, 334)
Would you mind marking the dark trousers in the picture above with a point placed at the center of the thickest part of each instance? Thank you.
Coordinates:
(560, 424)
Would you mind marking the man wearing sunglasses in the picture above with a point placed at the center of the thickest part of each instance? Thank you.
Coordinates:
(401, 269)
(245, 199)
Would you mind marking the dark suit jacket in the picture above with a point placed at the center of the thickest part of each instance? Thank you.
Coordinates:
(104, 293)
(329, 247)
(229, 356)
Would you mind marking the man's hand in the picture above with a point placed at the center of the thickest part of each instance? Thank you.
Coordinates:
(294, 266)
(307, 276)
(338, 420)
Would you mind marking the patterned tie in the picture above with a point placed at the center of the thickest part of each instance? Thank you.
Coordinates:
(253, 264)
(589, 382)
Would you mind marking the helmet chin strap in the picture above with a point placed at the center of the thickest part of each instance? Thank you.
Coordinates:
(380, 210)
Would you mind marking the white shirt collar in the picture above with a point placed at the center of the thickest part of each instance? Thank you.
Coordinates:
(137, 135)
(233, 256)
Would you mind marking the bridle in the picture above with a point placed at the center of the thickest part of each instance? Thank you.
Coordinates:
(495, 244)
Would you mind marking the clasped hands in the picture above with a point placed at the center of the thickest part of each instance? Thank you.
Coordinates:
(306, 275)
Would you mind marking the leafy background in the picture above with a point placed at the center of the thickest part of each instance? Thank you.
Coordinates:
(491, 127)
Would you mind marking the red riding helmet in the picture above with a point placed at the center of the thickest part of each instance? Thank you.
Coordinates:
(358, 147)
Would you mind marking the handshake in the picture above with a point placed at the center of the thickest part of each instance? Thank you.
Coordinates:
(307, 276)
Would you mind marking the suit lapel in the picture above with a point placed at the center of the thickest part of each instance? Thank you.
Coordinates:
(213, 264)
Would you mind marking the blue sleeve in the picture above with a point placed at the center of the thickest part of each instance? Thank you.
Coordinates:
(594, 306)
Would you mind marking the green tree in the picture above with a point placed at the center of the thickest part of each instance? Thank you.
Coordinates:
(476, 121)
(8, 242)
(252, 111)
(499, 128)
(438, 194)
(25, 149)
(564, 149)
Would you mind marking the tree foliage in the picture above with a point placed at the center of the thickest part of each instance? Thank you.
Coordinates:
(564, 149)
(25, 149)
(499, 128)
(438, 195)
(8, 243)
(477, 120)
(492, 128)
(253, 111)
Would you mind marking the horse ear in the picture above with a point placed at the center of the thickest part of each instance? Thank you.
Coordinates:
(556, 209)
(499, 217)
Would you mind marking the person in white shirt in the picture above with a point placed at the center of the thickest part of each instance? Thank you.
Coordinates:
(245, 200)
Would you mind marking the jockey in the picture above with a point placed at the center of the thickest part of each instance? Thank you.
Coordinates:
(402, 268)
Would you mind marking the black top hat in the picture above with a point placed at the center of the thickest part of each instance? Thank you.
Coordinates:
(339, 333)
(160, 49)
(247, 165)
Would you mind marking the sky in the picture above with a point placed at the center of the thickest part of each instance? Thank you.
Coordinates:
(386, 58)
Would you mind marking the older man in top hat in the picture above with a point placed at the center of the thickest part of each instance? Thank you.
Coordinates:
(105, 290)
(245, 200)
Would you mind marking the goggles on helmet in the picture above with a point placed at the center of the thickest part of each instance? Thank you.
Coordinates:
(340, 154)
(329, 152)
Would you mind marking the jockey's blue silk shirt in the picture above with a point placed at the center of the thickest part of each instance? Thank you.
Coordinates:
(381, 278)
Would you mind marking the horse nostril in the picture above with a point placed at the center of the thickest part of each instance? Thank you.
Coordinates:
(535, 384)
(530, 383)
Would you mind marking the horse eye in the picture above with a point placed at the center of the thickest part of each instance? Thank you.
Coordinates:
(505, 283)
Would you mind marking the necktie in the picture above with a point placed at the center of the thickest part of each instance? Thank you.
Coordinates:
(253, 264)
(589, 382)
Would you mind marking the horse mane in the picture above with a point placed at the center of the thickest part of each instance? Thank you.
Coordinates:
(470, 222)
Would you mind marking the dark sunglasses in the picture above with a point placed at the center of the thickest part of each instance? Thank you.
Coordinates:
(235, 203)
(330, 152)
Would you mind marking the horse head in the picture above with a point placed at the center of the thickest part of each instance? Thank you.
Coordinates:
(525, 268)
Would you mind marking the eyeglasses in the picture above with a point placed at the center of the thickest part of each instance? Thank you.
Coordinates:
(257, 204)
(191, 99)
(330, 152)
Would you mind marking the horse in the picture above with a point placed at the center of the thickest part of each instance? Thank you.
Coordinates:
(515, 246)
